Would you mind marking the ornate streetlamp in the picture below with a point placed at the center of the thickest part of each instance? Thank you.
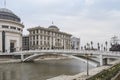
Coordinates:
(87, 58)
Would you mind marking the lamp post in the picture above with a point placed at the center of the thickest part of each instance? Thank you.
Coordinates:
(87, 57)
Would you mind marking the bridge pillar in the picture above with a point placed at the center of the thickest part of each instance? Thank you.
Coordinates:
(22, 57)
(101, 60)
(105, 61)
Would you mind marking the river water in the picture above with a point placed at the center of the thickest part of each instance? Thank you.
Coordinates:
(41, 70)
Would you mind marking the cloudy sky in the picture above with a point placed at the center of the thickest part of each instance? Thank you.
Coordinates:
(91, 20)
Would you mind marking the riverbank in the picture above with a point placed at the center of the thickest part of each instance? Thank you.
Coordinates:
(51, 57)
(83, 76)
(9, 61)
(42, 58)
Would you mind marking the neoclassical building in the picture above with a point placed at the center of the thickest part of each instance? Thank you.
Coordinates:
(11, 30)
(48, 38)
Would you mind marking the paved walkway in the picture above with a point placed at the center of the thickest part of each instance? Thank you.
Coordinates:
(83, 76)
(80, 76)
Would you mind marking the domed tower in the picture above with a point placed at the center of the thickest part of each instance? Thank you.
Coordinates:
(53, 27)
(11, 30)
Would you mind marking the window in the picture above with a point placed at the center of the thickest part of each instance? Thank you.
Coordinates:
(36, 31)
(48, 33)
(44, 38)
(33, 37)
(37, 43)
(44, 32)
(33, 32)
(5, 26)
(30, 32)
(41, 37)
(11, 27)
(48, 38)
(41, 42)
(44, 42)
(48, 43)
(37, 36)
(40, 31)
(18, 29)
(33, 42)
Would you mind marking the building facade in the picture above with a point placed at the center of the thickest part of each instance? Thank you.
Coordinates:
(11, 30)
(48, 38)
(75, 43)
(25, 42)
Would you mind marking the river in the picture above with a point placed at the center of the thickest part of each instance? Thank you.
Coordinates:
(41, 70)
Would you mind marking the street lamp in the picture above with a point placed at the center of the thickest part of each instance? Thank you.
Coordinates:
(87, 57)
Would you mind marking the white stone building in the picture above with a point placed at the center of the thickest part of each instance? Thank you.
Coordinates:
(75, 43)
(11, 30)
(48, 38)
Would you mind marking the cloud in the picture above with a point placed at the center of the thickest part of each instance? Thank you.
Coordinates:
(92, 20)
(89, 2)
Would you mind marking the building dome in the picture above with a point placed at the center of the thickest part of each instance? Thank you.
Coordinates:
(53, 27)
(8, 15)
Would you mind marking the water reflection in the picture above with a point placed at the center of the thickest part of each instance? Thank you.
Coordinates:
(8, 75)
(40, 70)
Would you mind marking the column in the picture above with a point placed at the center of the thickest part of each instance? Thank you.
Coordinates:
(101, 60)
(39, 40)
(43, 42)
(50, 40)
(3, 41)
(0, 41)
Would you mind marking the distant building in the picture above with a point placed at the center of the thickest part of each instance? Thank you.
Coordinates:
(48, 38)
(25, 42)
(75, 43)
(115, 44)
(11, 30)
(115, 47)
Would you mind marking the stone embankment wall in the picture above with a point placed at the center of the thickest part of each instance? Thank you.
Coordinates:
(117, 77)
(107, 74)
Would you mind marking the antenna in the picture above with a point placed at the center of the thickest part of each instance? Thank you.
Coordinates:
(5, 3)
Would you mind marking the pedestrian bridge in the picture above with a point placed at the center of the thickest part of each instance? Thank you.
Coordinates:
(103, 56)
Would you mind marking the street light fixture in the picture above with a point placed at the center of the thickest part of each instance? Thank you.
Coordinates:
(87, 57)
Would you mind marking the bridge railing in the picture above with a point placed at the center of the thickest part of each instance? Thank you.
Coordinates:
(67, 52)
